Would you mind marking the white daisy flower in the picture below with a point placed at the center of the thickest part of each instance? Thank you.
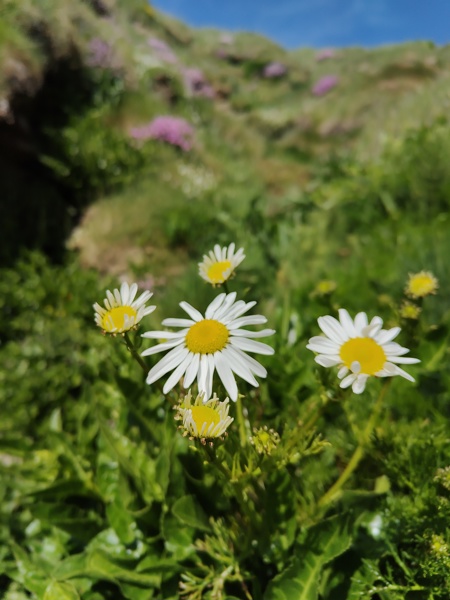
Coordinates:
(122, 312)
(210, 342)
(204, 420)
(219, 266)
(360, 349)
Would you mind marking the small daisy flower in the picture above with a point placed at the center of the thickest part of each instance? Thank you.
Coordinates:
(408, 310)
(219, 266)
(212, 342)
(421, 284)
(122, 312)
(204, 420)
(360, 349)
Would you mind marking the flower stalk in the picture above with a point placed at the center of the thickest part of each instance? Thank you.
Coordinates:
(358, 454)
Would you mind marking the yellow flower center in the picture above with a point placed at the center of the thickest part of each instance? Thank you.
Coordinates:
(114, 320)
(216, 271)
(204, 415)
(207, 336)
(366, 351)
(422, 284)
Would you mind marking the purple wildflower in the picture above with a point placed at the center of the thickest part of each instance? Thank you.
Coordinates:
(101, 55)
(162, 50)
(196, 84)
(325, 54)
(324, 85)
(274, 70)
(173, 130)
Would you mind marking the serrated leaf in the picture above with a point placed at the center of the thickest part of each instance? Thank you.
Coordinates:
(57, 590)
(188, 511)
(323, 543)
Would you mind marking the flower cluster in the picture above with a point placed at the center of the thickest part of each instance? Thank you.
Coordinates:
(172, 130)
(360, 349)
(274, 70)
(219, 265)
(204, 420)
(209, 343)
(162, 50)
(101, 55)
(324, 85)
(196, 84)
(121, 312)
(325, 54)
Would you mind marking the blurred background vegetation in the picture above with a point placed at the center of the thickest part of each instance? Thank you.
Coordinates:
(345, 182)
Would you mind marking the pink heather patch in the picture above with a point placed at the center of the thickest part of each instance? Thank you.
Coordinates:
(325, 54)
(324, 85)
(274, 70)
(172, 130)
(101, 55)
(196, 84)
(162, 50)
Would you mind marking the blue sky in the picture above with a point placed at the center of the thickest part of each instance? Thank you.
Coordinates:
(321, 23)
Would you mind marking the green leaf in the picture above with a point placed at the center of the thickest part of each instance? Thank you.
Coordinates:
(188, 511)
(57, 590)
(324, 542)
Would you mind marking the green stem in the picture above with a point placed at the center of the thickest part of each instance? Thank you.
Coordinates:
(334, 490)
(241, 421)
(134, 353)
(225, 287)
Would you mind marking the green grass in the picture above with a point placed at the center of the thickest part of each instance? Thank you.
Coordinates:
(102, 498)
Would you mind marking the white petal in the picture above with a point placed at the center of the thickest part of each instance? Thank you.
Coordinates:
(254, 366)
(177, 374)
(99, 309)
(164, 335)
(251, 346)
(191, 311)
(209, 378)
(244, 321)
(230, 251)
(118, 297)
(133, 291)
(404, 360)
(387, 335)
(347, 381)
(218, 252)
(394, 370)
(394, 349)
(215, 304)
(111, 299)
(226, 375)
(371, 330)
(323, 345)
(332, 329)
(238, 366)
(360, 323)
(202, 375)
(162, 347)
(142, 299)
(240, 307)
(125, 292)
(192, 370)
(327, 361)
(342, 372)
(227, 303)
(166, 364)
(347, 322)
(359, 384)
(253, 334)
(355, 367)
(178, 323)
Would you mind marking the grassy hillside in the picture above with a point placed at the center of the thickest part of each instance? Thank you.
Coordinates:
(131, 144)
